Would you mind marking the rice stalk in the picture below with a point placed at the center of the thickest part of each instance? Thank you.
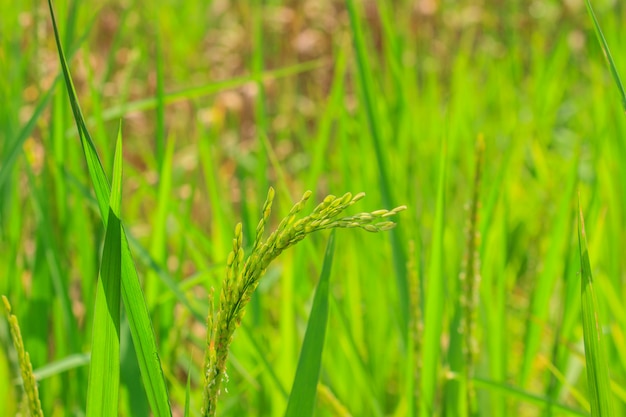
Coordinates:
(26, 368)
(242, 278)
(470, 281)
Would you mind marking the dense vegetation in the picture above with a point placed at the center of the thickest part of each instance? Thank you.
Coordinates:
(497, 124)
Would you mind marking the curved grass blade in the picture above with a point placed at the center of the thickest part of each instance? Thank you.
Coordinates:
(205, 90)
(302, 397)
(526, 397)
(104, 371)
(607, 53)
(98, 177)
(138, 318)
(597, 369)
(58, 367)
(18, 143)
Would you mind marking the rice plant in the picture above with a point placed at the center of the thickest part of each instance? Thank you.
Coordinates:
(187, 121)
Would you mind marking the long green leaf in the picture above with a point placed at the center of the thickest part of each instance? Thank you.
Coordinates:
(204, 90)
(386, 187)
(302, 397)
(16, 146)
(514, 392)
(597, 369)
(104, 371)
(188, 391)
(434, 302)
(607, 54)
(59, 366)
(138, 317)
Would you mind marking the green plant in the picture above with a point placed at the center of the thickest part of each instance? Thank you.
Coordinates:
(242, 278)
(220, 99)
(595, 355)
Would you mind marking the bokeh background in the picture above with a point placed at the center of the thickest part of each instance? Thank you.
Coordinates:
(219, 100)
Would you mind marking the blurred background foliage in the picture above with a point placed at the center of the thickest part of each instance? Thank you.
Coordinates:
(221, 99)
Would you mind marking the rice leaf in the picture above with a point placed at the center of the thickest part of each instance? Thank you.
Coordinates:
(122, 109)
(527, 397)
(434, 297)
(139, 321)
(62, 365)
(386, 187)
(16, 146)
(104, 371)
(607, 53)
(302, 397)
(188, 391)
(597, 369)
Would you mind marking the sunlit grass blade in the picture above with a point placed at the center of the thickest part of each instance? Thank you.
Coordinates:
(597, 369)
(607, 54)
(188, 392)
(25, 132)
(367, 87)
(98, 177)
(62, 365)
(434, 299)
(330, 402)
(117, 111)
(18, 143)
(260, 107)
(104, 371)
(416, 325)
(158, 243)
(547, 280)
(160, 104)
(138, 318)
(526, 397)
(302, 397)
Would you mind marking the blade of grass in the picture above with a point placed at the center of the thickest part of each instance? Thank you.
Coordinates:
(597, 369)
(302, 397)
(607, 54)
(188, 391)
(100, 182)
(27, 129)
(18, 143)
(260, 107)
(62, 365)
(544, 289)
(139, 321)
(525, 396)
(205, 90)
(143, 255)
(434, 296)
(104, 371)
(367, 90)
(158, 243)
(160, 103)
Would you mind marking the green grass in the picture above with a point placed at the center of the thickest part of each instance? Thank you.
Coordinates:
(218, 102)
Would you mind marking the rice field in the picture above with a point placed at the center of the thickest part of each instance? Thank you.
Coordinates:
(331, 208)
